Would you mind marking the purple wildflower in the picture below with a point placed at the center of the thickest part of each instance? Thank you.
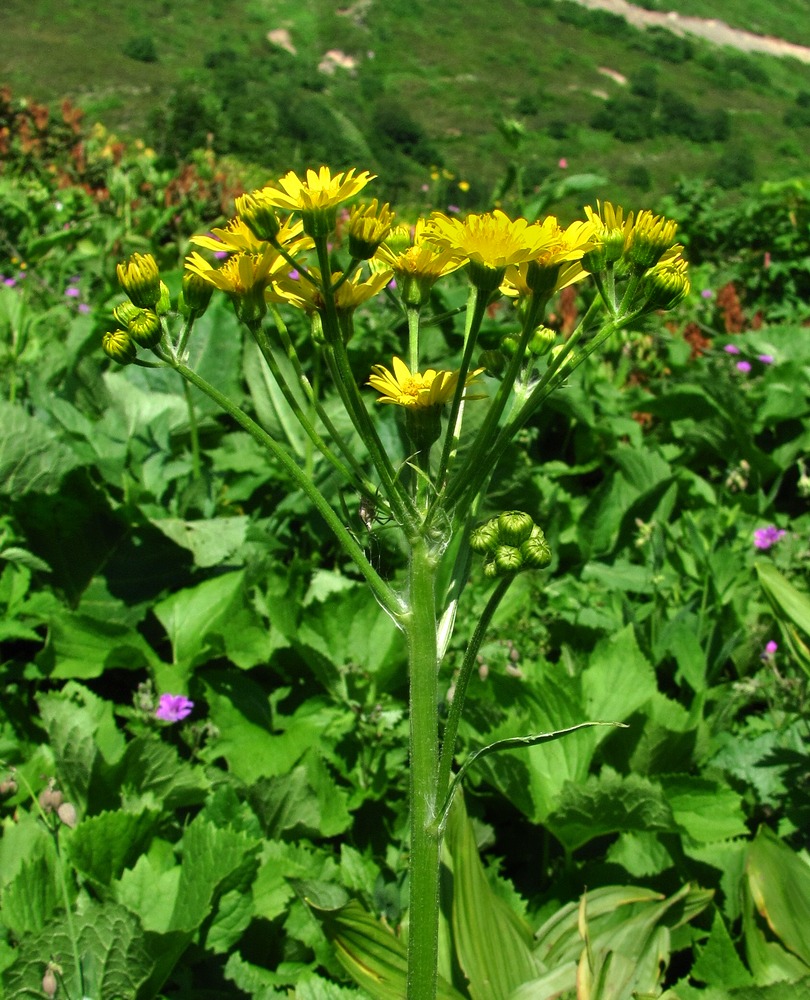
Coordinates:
(707, 293)
(173, 707)
(453, 209)
(84, 307)
(731, 349)
(765, 538)
(769, 651)
(766, 359)
(72, 292)
(744, 367)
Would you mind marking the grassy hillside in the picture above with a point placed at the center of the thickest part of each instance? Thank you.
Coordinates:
(431, 86)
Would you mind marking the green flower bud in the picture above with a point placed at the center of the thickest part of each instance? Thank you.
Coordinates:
(140, 279)
(423, 425)
(164, 303)
(197, 292)
(491, 568)
(118, 345)
(508, 560)
(493, 362)
(535, 552)
(484, 538)
(146, 328)
(514, 527)
(510, 343)
(542, 278)
(542, 341)
(124, 312)
(259, 216)
(665, 286)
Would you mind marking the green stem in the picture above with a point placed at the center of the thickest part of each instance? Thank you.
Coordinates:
(71, 926)
(423, 930)
(381, 590)
(457, 705)
(476, 306)
(194, 432)
(413, 339)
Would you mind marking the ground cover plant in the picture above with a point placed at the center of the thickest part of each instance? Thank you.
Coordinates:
(205, 722)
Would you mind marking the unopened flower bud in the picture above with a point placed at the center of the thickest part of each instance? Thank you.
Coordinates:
(49, 983)
(124, 312)
(510, 343)
(8, 786)
(514, 527)
(196, 292)
(146, 328)
(164, 303)
(493, 362)
(508, 559)
(67, 814)
(666, 284)
(484, 538)
(140, 279)
(117, 344)
(535, 552)
(542, 341)
(50, 799)
(368, 227)
(258, 215)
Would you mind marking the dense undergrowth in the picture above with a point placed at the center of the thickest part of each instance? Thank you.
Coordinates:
(147, 546)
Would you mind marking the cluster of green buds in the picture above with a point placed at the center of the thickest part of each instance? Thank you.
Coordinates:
(509, 543)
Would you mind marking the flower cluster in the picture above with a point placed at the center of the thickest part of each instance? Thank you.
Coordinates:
(744, 365)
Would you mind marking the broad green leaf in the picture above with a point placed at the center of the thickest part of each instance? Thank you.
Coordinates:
(304, 802)
(32, 458)
(778, 889)
(273, 411)
(492, 944)
(103, 846)
(29, 900)
(154, 767)
(211, 541)
(707, 810)
(791, 607)
(641, 854)
(372, 956)
(776, 991)
(87, 744)
(617, 681)
(191, 617)
(149, 891)
(609, 803)
(718, 963)
(83, 647)
(116, 960)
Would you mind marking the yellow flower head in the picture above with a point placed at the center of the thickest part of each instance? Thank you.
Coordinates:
(349, 294)
(416, 262)
(244, 277)
(237, 237)
(140, 279)
(650, 237)
(668, 281)
(492, 240)
(414, 389)
(316, 197)
(258, 214)
(611, 235)
(368, 227)
(556, 265)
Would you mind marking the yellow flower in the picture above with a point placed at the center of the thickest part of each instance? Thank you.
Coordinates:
(237, 237)
(492, 240)
(611, 235)
(244, 277)
(140, 279)
(316, 197)
(303, 294)
(650, 237)
(667, 282)
(368, 227)
(417, 263)
(557, 264)
(430, 388)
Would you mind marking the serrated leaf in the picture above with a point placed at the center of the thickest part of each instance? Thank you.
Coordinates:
(718, 963)
(83, 647)
(29, 900)
(609, 803)
(103, 846)
(707, 810)
(212, 542)
(114, 955)
(305, 802)
(32, 457)
(152, 766)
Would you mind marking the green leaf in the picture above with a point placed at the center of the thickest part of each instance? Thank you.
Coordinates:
(83, 647)
(609, 803)
(212, 542)
(707, 810)
(492, 944)
(617, 681)
(304, 802)
(116, 961)
(192, 616)
(718, 963)
(778, 889)
(32, 457)
(103, 846)
(30, 899)
(372, 956)
(791, 607)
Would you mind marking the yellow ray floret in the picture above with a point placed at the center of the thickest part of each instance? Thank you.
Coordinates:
(492, 240)
(320, 190)
(420, 389)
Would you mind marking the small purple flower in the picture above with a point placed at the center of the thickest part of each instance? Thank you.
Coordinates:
(72, 292)
(707, 293)
(744, 367)
(453, 209)
(84, 307)
(766, 359)
(173, 707)
(765, 538)
(731, 349)
(9, 282)
(769, 651)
